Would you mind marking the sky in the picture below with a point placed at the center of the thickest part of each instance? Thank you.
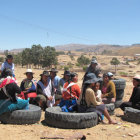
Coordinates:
(24, 23)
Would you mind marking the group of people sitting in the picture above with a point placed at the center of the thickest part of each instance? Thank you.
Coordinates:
(51, 90)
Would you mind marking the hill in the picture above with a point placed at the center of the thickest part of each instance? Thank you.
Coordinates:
(130, 51)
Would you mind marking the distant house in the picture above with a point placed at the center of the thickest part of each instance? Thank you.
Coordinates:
(136, 56)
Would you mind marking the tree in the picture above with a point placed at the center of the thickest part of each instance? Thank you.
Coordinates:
(37, 54)
(49, 57)
(82, 60)
(18, 58)
(26, 57)
(115, 62)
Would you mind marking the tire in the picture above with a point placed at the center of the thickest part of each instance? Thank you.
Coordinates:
(119, 83)
(119, 94)
(131, 115)
(110, 108)
(118, 103)
(120, 86)
(56, 118)
(30, 116)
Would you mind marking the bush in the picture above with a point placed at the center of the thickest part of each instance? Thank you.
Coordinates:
(123, 73)
(84, 68)
(66, 68)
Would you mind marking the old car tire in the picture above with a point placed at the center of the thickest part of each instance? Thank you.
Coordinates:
(30, 116)
(131, 115)
(56, 118)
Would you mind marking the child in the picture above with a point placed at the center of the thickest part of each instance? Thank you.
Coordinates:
(98, 94)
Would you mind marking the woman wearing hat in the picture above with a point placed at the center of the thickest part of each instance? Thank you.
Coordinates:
(28, 86)
(134, 100)
(8, 64)
(87, 101)
(108, 90)
(45, 91)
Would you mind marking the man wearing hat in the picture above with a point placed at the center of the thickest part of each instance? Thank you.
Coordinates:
(134, 100)
(8, 64)
(28, 85)
(45, 92)
(93, 68)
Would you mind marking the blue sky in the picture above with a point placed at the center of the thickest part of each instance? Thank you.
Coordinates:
(57, 22)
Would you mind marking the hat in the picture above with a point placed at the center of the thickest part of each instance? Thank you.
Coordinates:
(94, 61)
(67, 73)
(110, 74)
(73, 74)
(29, 71)
(91, 78)
(53, 70)
(45, 73)
(9, 57)
(137, 77)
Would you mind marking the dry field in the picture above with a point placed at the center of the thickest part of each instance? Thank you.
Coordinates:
(121, 131)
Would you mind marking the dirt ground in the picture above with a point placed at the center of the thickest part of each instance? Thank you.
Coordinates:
(123, 130)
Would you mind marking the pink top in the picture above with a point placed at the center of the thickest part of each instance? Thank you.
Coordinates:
(104, 89)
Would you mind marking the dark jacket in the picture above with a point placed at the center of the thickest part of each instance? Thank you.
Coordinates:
(135, 97)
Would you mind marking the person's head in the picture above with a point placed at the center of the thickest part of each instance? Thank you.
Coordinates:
(91, 79)
(105, 78)
(110, 75)
(53, 73)
(9, 59)
(44, 76)
(29, 74)
(94, 63)
(97, 86)
(67, 75)
(74, 77)
(136, 80)
(6, 72)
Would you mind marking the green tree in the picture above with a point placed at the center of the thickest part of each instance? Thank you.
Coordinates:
(115, 62)
(37, 55)
(18, 58)
(82, 60)
(26, 57)
(49, 57)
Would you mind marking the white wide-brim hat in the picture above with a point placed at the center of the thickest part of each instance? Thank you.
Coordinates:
(29, 71)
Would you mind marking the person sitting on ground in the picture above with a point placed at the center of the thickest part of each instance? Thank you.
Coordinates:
(8, 64)
(108, 90)
(28, 85)
(71, 92)
(134, 100)
(87, 101)
(45, 95)
(8, 90)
